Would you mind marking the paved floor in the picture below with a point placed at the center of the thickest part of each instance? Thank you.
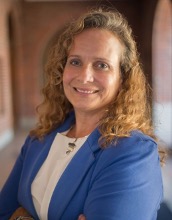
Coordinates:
(9, 154)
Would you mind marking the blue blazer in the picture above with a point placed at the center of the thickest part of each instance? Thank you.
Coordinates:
(121, 182)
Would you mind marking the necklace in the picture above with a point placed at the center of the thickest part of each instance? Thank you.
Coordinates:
(71, 146)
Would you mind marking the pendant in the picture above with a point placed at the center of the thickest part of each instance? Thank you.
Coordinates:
(71, 147)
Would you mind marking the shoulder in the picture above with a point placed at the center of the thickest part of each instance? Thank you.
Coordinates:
(137, 142)
(136, 137)
(129, 152)
(33, 145)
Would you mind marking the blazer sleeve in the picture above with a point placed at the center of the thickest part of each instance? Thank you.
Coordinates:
(9, 193)
(126, 184)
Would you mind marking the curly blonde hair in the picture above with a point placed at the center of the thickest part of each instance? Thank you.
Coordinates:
(131, 108)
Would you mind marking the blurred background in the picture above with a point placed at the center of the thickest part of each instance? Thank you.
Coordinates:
(27, 30)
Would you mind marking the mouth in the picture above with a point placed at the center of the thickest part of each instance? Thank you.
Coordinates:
(85, 91)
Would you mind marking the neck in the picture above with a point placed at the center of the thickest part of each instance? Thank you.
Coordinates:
(85, 124)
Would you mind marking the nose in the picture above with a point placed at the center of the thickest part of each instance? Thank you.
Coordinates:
(86, 74)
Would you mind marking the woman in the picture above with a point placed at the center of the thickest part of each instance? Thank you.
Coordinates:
(93, 151)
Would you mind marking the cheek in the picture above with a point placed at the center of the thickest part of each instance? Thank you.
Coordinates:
(110, 82)
(68, 74)
(113, 85)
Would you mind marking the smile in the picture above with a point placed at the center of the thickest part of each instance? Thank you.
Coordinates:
(85, 91)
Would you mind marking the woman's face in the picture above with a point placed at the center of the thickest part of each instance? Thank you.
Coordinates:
(91, 77)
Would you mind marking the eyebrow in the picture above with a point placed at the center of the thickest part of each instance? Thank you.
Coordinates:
(74, 56)
(96, 58)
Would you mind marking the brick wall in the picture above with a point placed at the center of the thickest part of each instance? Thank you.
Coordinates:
(6, 120)
(162, 51)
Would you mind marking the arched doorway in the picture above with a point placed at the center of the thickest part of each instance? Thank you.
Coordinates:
(162, 71)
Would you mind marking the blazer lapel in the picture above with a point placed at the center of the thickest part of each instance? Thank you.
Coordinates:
(36, 156)
(40, 150)
(70, 179)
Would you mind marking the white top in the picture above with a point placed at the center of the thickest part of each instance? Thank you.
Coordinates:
(50, 172)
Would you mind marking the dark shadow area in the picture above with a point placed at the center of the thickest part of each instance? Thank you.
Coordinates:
(164, 212)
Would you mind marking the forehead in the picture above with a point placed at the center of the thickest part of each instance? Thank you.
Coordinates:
(97, 41)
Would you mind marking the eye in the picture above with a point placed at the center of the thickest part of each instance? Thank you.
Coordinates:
(101, 66)
(75, 62)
